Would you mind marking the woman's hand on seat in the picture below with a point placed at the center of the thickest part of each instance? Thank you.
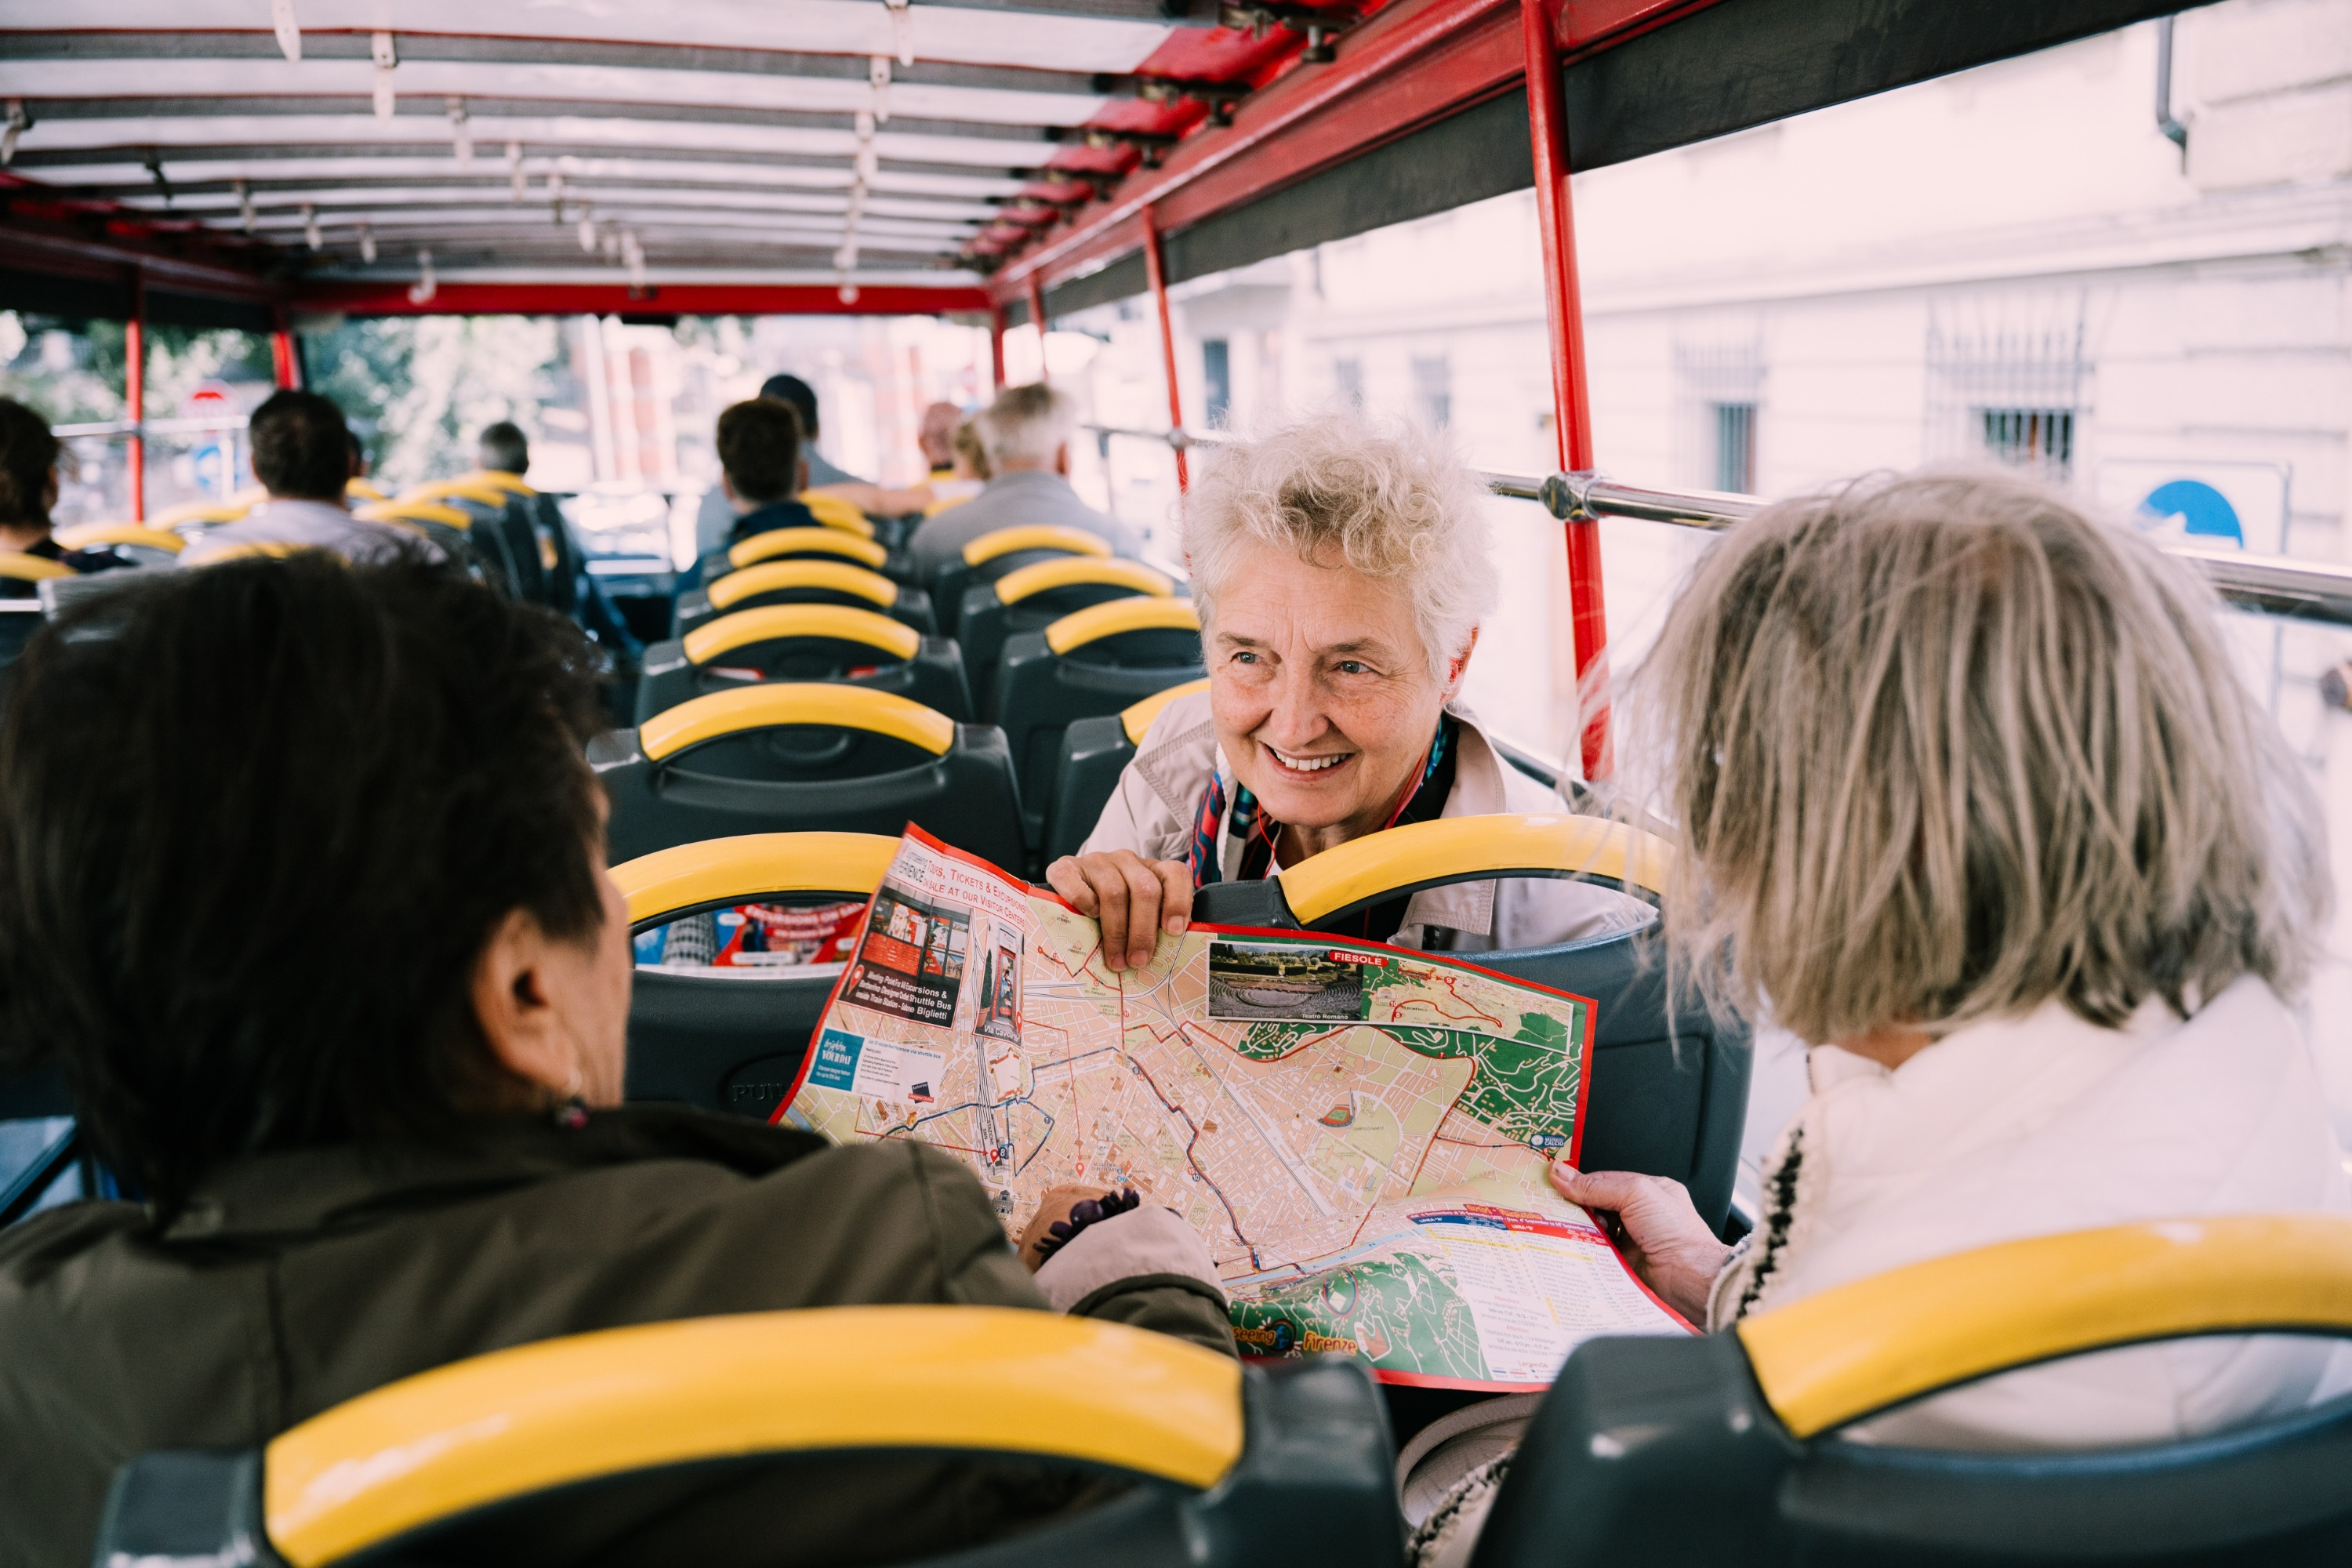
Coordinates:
(1654, 1220)
(1134, 900)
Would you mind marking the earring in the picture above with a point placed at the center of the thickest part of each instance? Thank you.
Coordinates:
(571, 1111)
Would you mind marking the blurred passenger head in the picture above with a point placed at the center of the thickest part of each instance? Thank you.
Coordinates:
(28, 467)
(760, 448)
(504, 450)
(938, 434)
(1341, 569)
(1943, 748)
(301, 448)
(970, 458)
(1028, 427)
(309, 936)
(798, 393)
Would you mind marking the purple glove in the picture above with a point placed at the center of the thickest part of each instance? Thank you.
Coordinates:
(1083, 1214)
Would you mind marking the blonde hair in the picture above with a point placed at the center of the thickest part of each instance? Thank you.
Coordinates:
(1336, 489)
(1942, 748)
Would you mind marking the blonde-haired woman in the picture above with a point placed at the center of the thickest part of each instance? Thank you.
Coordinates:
(1341, 570)
(1973, 798)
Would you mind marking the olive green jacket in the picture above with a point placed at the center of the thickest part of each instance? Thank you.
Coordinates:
(293, 1281)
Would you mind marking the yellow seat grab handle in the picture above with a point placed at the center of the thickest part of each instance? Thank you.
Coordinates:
(520, 1422)
(1461, 848)
(1032, 536)
(1136, 718)
(412, 512)
(806, 541)
(20, 567)
(776, 704)
(82, 536)
(1075, 571)
(772, 623)
(1143, 614)
(775, 576)
(1861, 1348)
(751, 866)
(469, 490)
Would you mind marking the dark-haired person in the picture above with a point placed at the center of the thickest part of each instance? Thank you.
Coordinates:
(348, 1004)
(28, 489)
(302, 455)
(764, 467)
(503, 449)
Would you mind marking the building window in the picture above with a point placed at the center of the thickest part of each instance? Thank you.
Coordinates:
(1433, 390)
(1734, 448)
(2040, 440)
(1348, 375)
(1217, 377)
(2005, 379)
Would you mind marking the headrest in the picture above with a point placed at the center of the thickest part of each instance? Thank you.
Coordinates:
(1138, 614)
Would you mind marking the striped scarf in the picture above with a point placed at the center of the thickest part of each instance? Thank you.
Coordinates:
(1259, 833)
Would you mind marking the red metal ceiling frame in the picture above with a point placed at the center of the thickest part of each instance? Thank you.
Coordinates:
(1416, 62)
(614, 299)
(118, 259)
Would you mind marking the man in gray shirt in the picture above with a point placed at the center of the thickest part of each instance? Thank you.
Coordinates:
(303, 455)
(1026, 433)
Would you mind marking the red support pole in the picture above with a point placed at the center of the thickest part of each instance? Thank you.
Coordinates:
(134, 393)
(996, 344)
(1571, 400)
(285, 364)
(1038, 319)
(1153, 270)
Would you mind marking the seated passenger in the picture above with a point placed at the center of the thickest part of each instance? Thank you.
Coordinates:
(303, 455)
(347, 1002)
(968, 472)
(1026, 435)
(503, 449)
(1341, 572)
(28, 489)
(935, 435)
(1974, 799)
(762, 466)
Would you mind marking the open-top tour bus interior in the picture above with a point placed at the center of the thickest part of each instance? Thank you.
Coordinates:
(1647, 265)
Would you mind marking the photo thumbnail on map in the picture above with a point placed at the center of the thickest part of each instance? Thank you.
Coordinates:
(996, 999)
(770, 936)
(1287, 982)
(910, 963)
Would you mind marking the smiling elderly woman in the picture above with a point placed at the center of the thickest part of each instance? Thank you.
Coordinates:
(1341, 572)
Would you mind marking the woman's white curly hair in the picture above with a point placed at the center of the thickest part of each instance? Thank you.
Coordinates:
(1341, 491)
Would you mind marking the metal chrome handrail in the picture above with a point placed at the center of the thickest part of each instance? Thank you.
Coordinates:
(150, 427)
(2265, 585)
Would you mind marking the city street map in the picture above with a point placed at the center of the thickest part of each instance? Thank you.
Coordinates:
(1360, 1131)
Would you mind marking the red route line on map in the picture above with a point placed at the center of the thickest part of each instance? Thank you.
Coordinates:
(1447, 980)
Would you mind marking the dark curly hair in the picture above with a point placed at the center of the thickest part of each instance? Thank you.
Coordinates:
(28, 454)
(256, 824)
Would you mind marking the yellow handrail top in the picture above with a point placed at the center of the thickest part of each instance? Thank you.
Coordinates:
(206, 511)
(770, 622)
(1832, 1358)
(775, 576)
(1032, 536)
(522, 1421)
(1077, 570)
(1464, 847)
(805, 541)
(1136, 718)
(406, 510)
(836, 512)
(1097, 622)
(82, 535)
(752, 866)
(776, 703)
(23, 568)
(497, 479)
(466, 489)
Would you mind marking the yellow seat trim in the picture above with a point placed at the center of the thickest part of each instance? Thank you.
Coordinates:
(775, 576)
(1136, 718)
(255, 549)
(463, 489)
(360, 490)
(1097, 622)
(1032, 536)
(518, 1422)
(770, 622)
(770, 704)
(1464, 847)
(836, 512)
(752, 866)
(23, 568)
(805, 541)
(406, 510)
(494, 478)
(82, 535)
(1077, 570)
(1835, 1357)
(201, 511)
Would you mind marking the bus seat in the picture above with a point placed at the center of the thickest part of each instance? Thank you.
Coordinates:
(1091, 661)
(1725, 1447)
(499, 536)
(198, 515)
(804, 643)
(1095, 752)
(805, 580)
(256, 550)
(1669, 1082)
(1003, 552)
(18, 568)
(792, 756)
(836, 512)
(363, 491)
(1234, 1466)
(127, 542)
(446, 526)
(713, 1026)
(794, 541)
(1034, 598)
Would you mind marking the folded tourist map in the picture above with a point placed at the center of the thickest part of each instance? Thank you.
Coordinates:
(1360, 1131)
